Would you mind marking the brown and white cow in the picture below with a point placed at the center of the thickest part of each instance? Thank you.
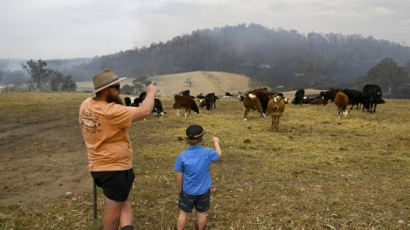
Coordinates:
(185, 102)
(276, 107)
(341, 101)
(251, 102)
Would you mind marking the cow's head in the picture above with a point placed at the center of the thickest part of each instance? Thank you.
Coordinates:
(194, 107)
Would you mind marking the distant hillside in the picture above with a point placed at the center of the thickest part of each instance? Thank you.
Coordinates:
(201, 82)
(271, 56)
(275, 57)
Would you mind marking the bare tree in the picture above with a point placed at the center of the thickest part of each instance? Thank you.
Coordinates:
(39, 74)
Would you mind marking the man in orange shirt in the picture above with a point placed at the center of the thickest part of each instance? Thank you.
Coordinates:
(104, 124)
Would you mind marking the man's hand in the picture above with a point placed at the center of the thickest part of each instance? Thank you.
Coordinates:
(152, 89)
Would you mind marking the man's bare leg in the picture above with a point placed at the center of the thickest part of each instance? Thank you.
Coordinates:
(126, 213)
(111, 218)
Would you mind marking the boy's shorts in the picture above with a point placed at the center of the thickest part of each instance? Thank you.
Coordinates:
(116, 185)
(201, 202)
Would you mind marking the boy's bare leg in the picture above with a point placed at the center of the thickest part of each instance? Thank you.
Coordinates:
(201, 216)
(182, 217)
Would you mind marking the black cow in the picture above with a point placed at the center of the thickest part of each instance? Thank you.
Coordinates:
(139, 100)
(264, 100)
(127, 101)
(298, 97)
(356, 97)
(210, 101)
(200, 96)
(329, 94)
(372, 96)
(186, 93)
(263, 95)
(158, 108)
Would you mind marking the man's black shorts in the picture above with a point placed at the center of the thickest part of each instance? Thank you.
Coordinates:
(201, 202)
(116, 185)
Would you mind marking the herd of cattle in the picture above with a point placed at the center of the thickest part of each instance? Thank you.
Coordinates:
(273, 103)
(369, 97)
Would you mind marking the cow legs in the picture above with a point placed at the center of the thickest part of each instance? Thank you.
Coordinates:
(273, 121)
(371, 105)
(245, 116)
(177, 112)
(277, 121)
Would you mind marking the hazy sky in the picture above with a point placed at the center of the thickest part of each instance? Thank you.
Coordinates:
(86, 28)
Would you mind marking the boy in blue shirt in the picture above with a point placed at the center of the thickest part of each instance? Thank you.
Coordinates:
(193, 177)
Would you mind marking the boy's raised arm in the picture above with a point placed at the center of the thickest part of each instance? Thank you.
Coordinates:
(215, 140)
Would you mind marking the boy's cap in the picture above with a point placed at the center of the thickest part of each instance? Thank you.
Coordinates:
(194, 131)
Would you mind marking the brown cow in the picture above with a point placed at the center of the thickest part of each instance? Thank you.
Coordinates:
(185, 102)
(317, 101)
(341, 101)
(276, 107)
(251, 102)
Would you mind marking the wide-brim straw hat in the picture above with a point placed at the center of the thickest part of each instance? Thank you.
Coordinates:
(104, 79)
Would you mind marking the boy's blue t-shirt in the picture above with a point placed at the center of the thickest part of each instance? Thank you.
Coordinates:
(194, 163)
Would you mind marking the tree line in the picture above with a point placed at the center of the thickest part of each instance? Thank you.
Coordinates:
(272, 56)
(43, 79)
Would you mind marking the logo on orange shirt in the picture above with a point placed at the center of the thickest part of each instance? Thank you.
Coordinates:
(88, 122)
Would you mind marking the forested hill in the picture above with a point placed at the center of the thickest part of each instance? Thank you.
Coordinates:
(272, 56)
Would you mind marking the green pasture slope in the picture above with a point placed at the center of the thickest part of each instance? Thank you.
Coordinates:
(317, 171)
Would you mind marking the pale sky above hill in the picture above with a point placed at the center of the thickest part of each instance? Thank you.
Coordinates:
(86, 28)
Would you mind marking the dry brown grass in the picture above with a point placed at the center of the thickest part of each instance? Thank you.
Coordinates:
(317, 172)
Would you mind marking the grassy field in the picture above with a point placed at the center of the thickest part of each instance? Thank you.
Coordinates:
(317, 172)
